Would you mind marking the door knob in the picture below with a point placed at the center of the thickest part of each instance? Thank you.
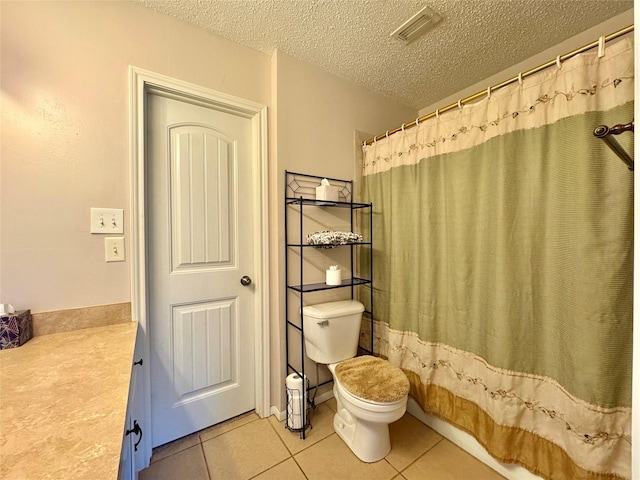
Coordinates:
(245, 281)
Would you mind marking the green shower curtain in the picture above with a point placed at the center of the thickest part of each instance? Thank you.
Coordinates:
(503, 237)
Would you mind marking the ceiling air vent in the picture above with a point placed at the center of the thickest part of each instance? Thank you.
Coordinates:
(422, 21)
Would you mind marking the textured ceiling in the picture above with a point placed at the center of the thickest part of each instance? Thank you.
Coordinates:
(351, 38)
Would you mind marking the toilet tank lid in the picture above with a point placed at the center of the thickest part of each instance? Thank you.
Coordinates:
(333, 309)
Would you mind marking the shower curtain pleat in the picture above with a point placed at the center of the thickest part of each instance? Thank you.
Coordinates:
(503, 253)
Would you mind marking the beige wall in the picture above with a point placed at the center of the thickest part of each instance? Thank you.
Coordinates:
(65, 147)
(64, 134)
(316, 116)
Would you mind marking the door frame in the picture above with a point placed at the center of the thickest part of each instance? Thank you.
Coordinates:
(140, 83)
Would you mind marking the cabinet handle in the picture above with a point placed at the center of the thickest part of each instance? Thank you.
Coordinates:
(136, 430)
(139, 362)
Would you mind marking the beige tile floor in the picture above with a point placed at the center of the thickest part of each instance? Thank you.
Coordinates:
(248, 447)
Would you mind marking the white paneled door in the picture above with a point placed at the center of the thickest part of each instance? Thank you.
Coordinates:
(199, 233)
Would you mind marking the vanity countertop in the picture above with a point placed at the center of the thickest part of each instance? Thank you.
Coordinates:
(63, 404)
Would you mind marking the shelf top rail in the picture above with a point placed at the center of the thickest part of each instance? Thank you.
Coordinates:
(301, 185)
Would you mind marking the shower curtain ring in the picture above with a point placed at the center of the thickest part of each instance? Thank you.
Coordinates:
(520, 78)
(558, 62)
(402, 128)
(438, 113)
(387, 134)
(601, 41)
(460, 103)
(488, 92)
(417, 121)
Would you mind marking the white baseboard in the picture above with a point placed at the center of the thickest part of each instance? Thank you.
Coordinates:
(279, 414)
(321, 398)
(469, 444)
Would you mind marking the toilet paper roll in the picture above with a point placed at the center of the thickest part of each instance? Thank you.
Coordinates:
(296, 400)
(294, 410)
(334, 277)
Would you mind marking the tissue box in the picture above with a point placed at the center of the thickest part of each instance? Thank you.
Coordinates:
(327, 192)
(15, 329)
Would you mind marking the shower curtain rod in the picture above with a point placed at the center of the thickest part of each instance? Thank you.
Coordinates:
(604, 133)
(519, 77)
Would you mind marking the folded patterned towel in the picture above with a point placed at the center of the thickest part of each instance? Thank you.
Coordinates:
(329, 239)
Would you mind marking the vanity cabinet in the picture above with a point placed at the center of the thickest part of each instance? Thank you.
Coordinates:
(305, 265)
(131, 455)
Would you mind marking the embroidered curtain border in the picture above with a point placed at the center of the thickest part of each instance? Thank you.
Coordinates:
(544, 98)
(496, 398)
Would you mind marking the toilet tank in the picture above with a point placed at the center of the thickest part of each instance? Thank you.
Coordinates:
(332, 330)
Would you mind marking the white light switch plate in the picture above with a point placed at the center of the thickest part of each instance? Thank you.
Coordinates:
(114, 249)
(107, 220)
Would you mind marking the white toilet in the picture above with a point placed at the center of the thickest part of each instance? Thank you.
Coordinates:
(370, 392)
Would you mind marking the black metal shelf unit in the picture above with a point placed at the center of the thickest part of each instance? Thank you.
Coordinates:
(300, 192)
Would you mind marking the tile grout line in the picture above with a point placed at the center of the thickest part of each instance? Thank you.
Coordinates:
(279, 437)
(266, 419)
(317, 443)
(420, 456)
(181, 449)
(199, 434)
(398, 472)
(291, 455)
(270, 468)
(300, 467)
(205, 458)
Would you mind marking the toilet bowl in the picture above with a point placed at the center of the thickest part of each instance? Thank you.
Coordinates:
(363, 424)
(370, 392)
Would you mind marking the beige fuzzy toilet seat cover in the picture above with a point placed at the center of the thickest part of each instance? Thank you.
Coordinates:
(373, 379)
